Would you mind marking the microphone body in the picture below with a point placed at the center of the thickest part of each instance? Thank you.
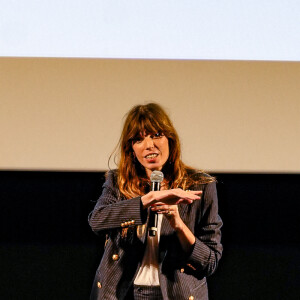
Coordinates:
(156, 178)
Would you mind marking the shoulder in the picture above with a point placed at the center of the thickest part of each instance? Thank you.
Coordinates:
(111, 182)
(196, 176)
(200, 180)
(111, 178)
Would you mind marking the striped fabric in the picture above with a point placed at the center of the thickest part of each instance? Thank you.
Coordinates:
(146, 293)
(182, 276)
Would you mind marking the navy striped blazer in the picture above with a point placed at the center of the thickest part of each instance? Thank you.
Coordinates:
(124, 222)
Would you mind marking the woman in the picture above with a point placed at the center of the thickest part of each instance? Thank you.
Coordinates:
(173, 264)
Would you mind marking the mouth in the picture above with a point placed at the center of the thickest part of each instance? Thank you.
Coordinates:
(151, 156)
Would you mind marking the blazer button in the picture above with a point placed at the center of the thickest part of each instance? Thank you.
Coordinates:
(191, 297)
(181, 270)
(115, 257)
(99, 285)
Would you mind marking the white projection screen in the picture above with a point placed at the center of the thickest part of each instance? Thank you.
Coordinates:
(227, 72)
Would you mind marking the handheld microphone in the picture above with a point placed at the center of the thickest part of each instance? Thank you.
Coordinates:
(156, 178)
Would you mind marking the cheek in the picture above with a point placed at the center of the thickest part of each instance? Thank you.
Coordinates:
(167, 152)
(166, 149)
(136, 151)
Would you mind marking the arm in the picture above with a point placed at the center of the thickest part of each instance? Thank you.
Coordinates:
(170, 197)
(185, 236)
(207, 249)
(111, 212)
(160, 204)
(199, 238)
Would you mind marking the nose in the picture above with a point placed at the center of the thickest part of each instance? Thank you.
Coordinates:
(149, 142)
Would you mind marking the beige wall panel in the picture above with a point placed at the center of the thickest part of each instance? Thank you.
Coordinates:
(232, 116)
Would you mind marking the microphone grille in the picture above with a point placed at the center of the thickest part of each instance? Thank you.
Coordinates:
(157, 176)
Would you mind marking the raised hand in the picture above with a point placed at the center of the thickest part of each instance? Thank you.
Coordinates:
(170, 197)
(176, 196)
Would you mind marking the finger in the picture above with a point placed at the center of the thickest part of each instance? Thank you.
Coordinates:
(163, 210)
(189, 198)
(194, 192)
(186, 201)
(160, 207)
(193, 195)
(169, 213)
(158, 204)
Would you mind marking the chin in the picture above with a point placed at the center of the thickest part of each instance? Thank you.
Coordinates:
(155, 167)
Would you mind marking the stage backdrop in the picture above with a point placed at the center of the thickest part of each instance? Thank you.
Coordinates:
(67, 114)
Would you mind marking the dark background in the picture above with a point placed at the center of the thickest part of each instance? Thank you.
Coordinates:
(47, 250)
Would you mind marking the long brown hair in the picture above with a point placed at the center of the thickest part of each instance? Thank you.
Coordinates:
(132, 179)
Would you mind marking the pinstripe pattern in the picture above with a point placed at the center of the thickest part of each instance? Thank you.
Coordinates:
(147, 293)
(181, 275)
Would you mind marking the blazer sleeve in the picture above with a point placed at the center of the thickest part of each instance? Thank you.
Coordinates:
(112, 212)
(207, 249)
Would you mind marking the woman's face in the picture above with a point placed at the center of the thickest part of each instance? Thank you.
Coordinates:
(152, 151)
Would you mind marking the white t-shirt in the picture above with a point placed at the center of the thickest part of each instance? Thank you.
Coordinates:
(148, 272)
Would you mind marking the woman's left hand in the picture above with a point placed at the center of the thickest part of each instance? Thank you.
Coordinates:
(170, 212)
(185, 236)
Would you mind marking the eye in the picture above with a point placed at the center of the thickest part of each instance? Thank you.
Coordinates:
(137, 140)
(157, 135)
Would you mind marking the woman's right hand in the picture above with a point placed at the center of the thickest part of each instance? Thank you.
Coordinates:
(170, 197)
